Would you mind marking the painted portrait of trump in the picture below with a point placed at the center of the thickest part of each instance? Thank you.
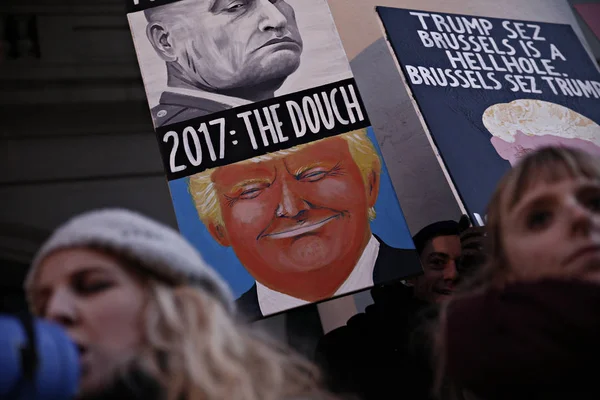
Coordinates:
(299, 219)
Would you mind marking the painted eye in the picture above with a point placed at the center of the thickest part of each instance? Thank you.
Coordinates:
(233, 7)
(250, 193)
(313, 176)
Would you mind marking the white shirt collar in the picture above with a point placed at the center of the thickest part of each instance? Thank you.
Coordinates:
(361, 277)
(220, 98)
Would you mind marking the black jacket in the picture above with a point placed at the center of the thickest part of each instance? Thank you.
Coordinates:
(531, 340)
(382, 353)
(131, 384)
(176, 107)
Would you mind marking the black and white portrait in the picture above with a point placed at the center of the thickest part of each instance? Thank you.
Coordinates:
(198, 57)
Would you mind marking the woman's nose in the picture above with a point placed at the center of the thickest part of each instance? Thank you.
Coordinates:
(581, 218)
(61, 309)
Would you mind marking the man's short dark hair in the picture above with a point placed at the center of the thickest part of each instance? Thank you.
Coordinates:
(431, 231)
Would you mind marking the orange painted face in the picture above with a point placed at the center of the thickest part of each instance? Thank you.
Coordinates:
(300, 217)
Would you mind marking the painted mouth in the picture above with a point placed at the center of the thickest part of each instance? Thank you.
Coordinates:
(286, 41)
(300, 229)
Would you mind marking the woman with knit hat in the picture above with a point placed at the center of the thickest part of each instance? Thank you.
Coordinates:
(151, 319)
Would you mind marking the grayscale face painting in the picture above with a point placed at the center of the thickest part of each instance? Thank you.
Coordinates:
(226, 45)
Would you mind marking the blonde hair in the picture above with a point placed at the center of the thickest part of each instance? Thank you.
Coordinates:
(203, 192)
(197, 351)
(549, 164)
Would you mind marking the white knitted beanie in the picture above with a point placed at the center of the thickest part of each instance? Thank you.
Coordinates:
(156, 247)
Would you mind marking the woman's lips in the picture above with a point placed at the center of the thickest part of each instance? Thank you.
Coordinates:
(83, 357)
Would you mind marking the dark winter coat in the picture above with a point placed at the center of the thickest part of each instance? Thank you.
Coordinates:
(380, 354)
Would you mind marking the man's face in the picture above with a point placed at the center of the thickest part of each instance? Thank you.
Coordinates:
(439, 258)
(228, 44)
(302, 213)
(524, 144)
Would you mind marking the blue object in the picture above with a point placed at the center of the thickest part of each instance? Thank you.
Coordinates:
(49, 370)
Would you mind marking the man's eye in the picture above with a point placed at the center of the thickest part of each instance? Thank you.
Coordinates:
(312, 176)
(250, 193)
(437, 264)
(539, 219)
(233, 7)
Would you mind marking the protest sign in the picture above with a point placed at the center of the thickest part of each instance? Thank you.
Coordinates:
(274, 171)
(490, 90)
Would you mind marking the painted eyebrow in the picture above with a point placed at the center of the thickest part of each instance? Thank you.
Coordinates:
(219, 3)
(246, 182)
(303, 169)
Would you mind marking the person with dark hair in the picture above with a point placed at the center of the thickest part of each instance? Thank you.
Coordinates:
(379, 354)
(439, 248)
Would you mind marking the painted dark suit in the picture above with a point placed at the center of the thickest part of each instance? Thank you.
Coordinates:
(176, 107)
(391, 263)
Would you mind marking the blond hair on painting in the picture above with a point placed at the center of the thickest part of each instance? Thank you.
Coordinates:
(204, 195)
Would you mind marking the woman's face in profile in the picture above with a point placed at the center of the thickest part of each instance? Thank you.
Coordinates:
(99, 303)
(554, 230)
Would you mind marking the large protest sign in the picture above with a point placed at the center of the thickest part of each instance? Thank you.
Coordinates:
(273, 168)
(490, 90)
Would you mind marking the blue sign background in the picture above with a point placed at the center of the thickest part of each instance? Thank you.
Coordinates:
(453, 115)
(389, 225)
